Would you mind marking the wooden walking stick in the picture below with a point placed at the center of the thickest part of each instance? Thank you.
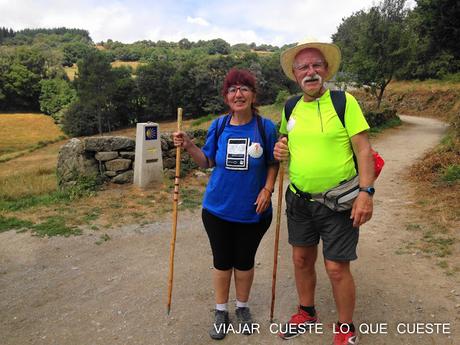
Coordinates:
(277, 236)
(174, 223)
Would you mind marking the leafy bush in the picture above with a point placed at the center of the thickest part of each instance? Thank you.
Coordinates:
(79, 119)
(378, 118)
(55, 95)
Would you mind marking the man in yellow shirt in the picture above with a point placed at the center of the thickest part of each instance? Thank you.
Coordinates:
(321, 150)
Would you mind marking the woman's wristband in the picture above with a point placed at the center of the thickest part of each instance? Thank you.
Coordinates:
(268, 190)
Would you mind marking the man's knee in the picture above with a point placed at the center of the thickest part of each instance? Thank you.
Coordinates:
(304, 260)
(337, 271)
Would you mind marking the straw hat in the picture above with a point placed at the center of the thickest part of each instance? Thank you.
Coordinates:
(330, 52)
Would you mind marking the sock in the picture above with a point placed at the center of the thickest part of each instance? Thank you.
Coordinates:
(309, 309)
(241, 304)
(351, 325)
(222, 307)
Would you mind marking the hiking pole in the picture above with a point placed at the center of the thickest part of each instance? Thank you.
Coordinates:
(277, 236)
(174, 223)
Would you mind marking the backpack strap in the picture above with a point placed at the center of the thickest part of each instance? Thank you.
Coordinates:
(290, 105)
(261, 128)
(339, 101)
(263, 136)
(220, 127)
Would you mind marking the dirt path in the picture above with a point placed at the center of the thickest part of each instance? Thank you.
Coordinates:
(72, 291)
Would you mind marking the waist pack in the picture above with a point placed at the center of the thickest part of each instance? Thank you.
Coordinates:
(339, 198)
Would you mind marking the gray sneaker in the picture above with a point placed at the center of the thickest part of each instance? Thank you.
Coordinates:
(220, 326)
(243, 315)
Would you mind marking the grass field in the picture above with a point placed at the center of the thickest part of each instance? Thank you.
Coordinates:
(24, 132)
(133, 64)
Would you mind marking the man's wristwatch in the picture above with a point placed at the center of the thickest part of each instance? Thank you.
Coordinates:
(368, 190)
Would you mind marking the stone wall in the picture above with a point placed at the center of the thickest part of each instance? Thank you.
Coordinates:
(169, 153)
(112, 158)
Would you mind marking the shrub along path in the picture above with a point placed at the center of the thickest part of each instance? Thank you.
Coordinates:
(71, 291)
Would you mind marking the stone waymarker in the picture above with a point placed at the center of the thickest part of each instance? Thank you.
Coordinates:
(148, 166)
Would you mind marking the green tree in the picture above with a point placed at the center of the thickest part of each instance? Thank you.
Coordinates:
(375, 45)
(5, 33)
(437, 28)
(55, 94)
(153, 82)
(94, 85)
(185, 44)
(80, 119)
(74, 51)
(19, 87)
(218, 46)
(124, 100)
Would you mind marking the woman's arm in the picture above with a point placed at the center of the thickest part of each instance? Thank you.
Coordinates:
(264, 197)
(181, 139)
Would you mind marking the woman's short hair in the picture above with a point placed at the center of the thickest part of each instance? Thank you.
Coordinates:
(239, 77)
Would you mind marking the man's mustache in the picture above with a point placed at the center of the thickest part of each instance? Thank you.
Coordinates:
(315, 77)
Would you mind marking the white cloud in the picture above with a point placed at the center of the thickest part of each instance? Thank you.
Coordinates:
(261, 21)
(197, 20)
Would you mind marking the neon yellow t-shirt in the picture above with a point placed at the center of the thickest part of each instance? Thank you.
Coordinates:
(320, 150)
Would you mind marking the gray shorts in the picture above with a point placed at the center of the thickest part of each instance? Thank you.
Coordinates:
(308, 221)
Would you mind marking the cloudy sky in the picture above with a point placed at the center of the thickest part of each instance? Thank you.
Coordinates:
(236, 21)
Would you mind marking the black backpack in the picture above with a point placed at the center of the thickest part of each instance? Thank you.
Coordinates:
(222, 122)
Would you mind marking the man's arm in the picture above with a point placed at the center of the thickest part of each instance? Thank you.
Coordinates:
(363, 205)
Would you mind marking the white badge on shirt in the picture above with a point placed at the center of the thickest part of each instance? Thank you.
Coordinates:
(255, 150)
(237, 154)
(291, 123)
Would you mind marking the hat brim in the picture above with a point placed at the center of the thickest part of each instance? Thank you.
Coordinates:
(330, 51)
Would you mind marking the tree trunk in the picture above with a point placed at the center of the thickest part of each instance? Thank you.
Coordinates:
(382, 90)
(380, 96)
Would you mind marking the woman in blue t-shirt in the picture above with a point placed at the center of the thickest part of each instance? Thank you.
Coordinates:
(237, 203)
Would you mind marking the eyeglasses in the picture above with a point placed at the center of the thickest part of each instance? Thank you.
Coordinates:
(304, 67)
(232, 90)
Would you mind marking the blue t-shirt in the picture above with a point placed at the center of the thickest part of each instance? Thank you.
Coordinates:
(237, 178)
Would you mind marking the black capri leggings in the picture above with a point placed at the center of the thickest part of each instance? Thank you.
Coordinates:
(233, 244)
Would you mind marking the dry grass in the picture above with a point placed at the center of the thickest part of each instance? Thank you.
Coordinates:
(436, 184)
(261, 52)
(116, 205)
(31, 174)
(132, 64)
(71, 71)
(438, 198)
(19, 132)
(426, 85)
